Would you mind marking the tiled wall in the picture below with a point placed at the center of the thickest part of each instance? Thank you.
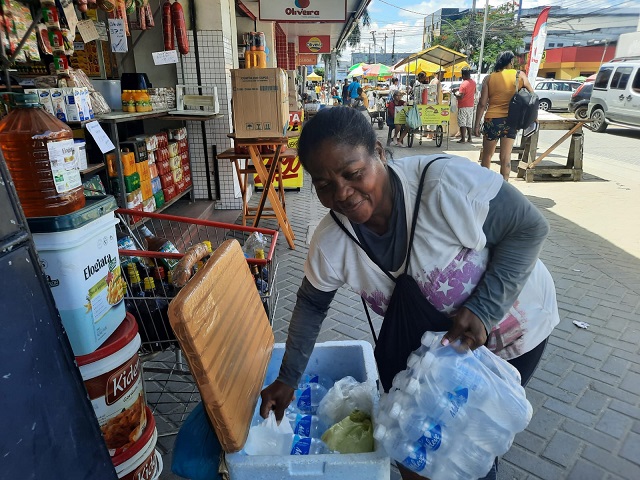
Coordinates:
(216, 60)
(281, 48)
(291, 52)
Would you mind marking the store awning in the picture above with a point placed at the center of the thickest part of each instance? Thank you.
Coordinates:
(314, 77)
(337, 31)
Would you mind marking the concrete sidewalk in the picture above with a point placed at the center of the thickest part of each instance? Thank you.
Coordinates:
(586, 392)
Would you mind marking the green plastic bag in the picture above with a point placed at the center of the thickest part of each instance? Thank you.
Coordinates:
(354, 434)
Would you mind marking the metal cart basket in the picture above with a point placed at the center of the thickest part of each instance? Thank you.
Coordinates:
(170, 390)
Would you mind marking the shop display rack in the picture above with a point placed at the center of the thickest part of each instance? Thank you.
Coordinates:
(170, 390)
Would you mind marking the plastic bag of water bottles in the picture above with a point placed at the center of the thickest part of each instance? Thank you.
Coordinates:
(346, 396)
(450, 413)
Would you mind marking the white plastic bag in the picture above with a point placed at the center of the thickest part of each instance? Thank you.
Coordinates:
(344, 397)
(269, 438)
(451, 413)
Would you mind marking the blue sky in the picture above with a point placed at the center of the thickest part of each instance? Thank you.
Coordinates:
(408, 20)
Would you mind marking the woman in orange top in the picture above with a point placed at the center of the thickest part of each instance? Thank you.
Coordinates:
(497, 91)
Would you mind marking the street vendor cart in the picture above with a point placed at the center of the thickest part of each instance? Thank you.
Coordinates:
(436, 116)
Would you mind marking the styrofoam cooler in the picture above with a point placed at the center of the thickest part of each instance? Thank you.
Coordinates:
(79, 254)
(335, 360)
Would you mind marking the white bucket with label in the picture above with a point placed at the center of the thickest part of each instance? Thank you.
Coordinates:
(113, 378)
(79, 254)
(142, 461)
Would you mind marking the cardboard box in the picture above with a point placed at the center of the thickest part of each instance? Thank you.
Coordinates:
(260, 102)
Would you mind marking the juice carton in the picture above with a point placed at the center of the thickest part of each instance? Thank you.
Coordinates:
(72, 99)
(57, 101)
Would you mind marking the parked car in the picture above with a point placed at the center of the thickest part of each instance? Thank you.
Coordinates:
(555, 94)
(579, 103)
(616, 95)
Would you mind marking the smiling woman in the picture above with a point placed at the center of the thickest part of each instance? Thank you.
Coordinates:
(428, 243)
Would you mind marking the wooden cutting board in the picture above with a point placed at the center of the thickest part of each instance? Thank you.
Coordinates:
(224, 332)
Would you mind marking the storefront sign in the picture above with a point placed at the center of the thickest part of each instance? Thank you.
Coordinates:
(303, 10)
(314, 44)
(429, 114)
(307, 59)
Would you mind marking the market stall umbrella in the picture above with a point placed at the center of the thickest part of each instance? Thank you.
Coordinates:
(581, 78)
(356, 72)
(378, 70)
(357, 65)
(314, 77)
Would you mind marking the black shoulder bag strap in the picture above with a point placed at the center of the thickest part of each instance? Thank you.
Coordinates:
(373, 257)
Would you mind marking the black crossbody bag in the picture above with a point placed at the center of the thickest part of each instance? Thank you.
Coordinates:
(409, 314)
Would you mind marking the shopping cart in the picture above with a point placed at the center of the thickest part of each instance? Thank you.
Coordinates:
(170, 390)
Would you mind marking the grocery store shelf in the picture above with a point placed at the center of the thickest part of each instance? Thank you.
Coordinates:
(91, 169)
(119, 117)
(166, 205)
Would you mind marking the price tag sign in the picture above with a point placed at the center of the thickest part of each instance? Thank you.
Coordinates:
(88, 31)
(99, 135)
(118, 36)
(102, 31)
(165, 58)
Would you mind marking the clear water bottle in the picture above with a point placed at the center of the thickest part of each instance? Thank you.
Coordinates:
(308, 397)
(417, 426)
(308, 446)
(486, 433)
(446, 408)
(412, 455)
(305, 425)
(504, 370)
(326, 382)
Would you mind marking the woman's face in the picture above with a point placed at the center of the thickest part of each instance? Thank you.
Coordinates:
(351, 181)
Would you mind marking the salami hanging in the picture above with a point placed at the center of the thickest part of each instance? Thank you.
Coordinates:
(167, 26)
(179, 25)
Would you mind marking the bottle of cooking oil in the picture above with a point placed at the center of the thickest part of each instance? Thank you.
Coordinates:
(39, 152)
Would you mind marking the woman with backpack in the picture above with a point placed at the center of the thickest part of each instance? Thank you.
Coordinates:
(497, 91)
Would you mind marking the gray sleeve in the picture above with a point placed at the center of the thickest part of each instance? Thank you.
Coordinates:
(307, 317)
(515, 231)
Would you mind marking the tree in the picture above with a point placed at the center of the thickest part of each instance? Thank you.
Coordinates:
(356, 34)
(502, 34)
(319, 71)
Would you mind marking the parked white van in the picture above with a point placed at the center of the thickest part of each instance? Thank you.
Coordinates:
(616, 94)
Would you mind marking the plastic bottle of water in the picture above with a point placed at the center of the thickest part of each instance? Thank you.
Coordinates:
(308, 397)
(504, 370)
(412, 455)
(417, 426)
(305, 425)
(308, 446)
(326, 382)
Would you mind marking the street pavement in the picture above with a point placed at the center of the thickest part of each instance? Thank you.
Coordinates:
(586, 391)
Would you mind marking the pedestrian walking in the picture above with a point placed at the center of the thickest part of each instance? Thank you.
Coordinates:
(497, 91)
(465, 96)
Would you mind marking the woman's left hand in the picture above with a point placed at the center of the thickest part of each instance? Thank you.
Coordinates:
(468, 328)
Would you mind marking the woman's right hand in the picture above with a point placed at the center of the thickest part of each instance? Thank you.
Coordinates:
(276, 397)
(476, 130)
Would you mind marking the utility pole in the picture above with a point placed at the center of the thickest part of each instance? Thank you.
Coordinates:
(484, 32)
(471, 29)
(424, 33)
(393, 47)
(374, 47)
(385, 43)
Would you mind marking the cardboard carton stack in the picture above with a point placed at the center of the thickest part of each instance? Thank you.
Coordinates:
(260, 102)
